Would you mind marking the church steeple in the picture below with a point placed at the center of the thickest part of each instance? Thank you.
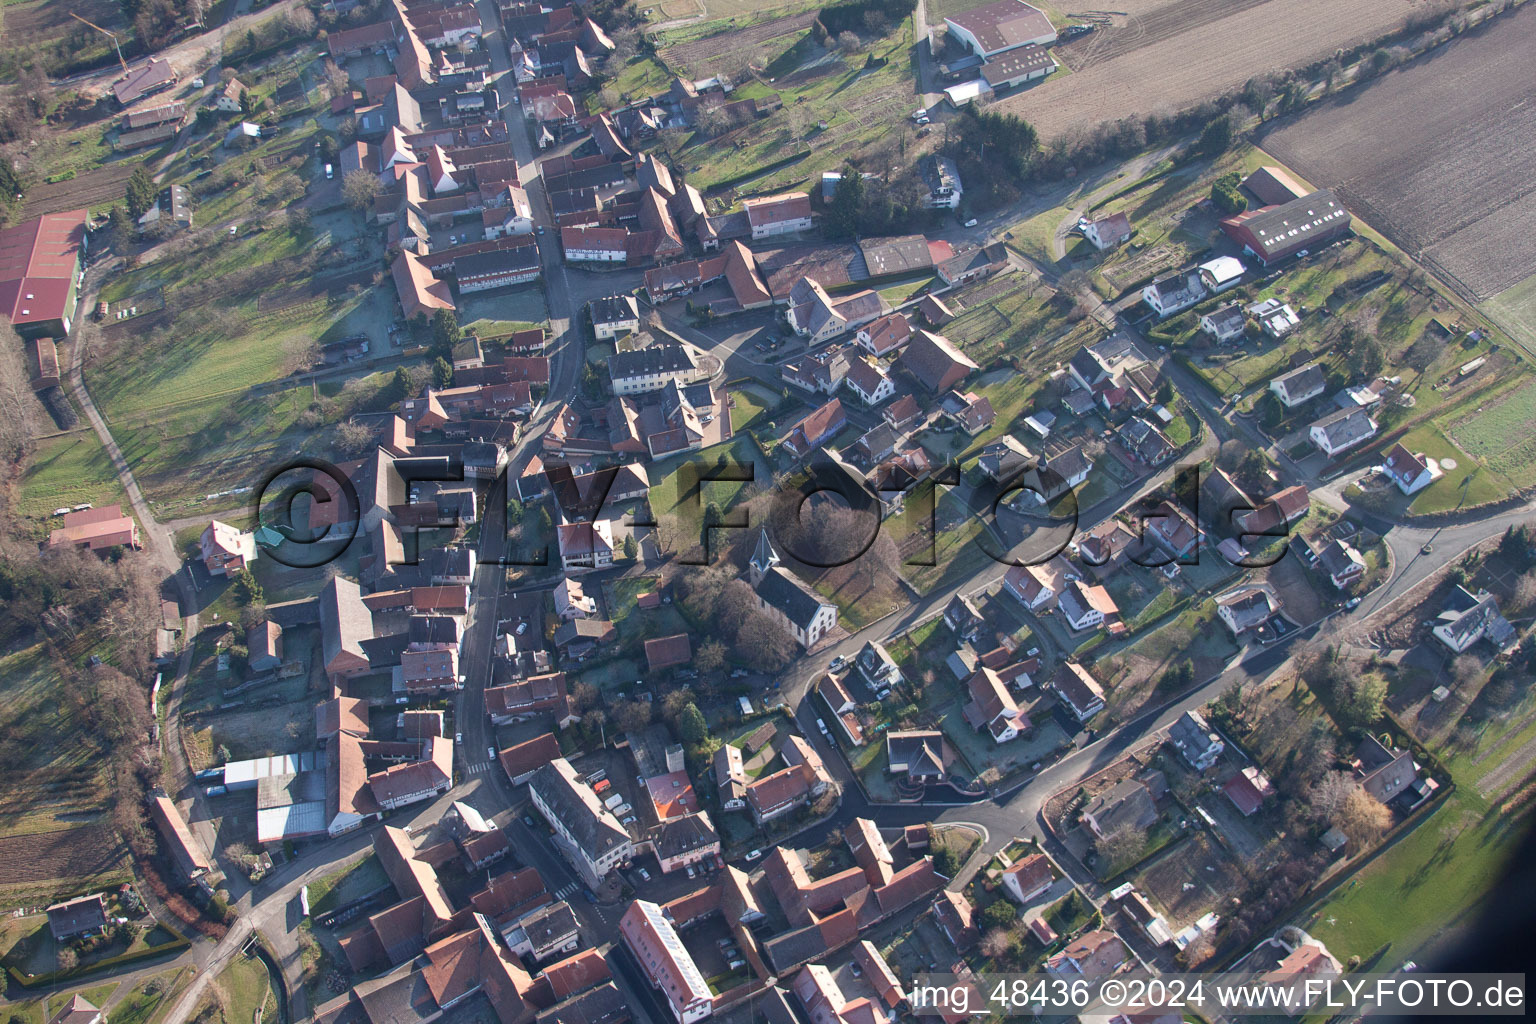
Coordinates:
(763, 558)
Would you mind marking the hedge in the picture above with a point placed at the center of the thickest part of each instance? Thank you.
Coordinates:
(177, 944)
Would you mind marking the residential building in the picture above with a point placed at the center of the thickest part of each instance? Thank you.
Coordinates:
(1410, 471)
(614, 315)
(816, 429)
(1028, 878)
(77, 1010)
(1385, 773)
(1341, 562)
(1246, 609)
(1299, 385)
(264, 646)
(81, 916)
(595, 244)
(1128, 804)
(651, 368)
(1108, 232)
(814, 314)
(650, 935)
(1248, 789)
(667, 652)
(412, 782)
(593, 839)
(1034, 586)
(731, 778)
(992, 708)
(771, 216)
(1092, 954)
(943, 180)
(956, 918)
(1082, 693)
(868, 381)
(1342, 430)
(1221, 273)
(970, 412)
(521, 760)
(1225, 323)
(1273, 233)
(1195, 740)
(685, 839)
(885, 335)
(585, 546)
(1055, 475)
(1468, 617)
(1003, 459)
(962, 617)
(998, 27)
(154, 75)
(497, 268)
(224, 549)
(1085, 606)
(774, 795)
(1173, 292)
(544, 933)
(918, 754)
(877, 666)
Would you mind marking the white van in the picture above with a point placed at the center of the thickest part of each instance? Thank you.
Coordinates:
(330, 172)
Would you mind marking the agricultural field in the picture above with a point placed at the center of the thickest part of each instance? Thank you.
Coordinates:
(1436, 155)
(88, 190)
(54, 810)
(1150, 69)
(45, 27)
(1499, 435)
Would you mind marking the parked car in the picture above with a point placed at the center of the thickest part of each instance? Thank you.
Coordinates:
(490, 753)
(1352, 604)
(754, 855)
(528, 820)
(645, 876)
(838, 662)
(692, 873)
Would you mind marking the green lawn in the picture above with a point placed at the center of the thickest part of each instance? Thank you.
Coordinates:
(66, 470)
(747, 407)
(1467, 484)
(1442, 873)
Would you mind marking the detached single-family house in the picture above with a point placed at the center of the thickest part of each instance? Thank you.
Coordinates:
(917, 754)
(1029, 878)
(1093, 954)
(1243, 610)
(1410, 471)
(1341, 562)
(1385, 774)
(1221, 273)
(1128, 804)
(1340, 431)
(224, 549)
(1108, 232)
(1003, 458)
(1195, 740)
(1171, 293)
(1468, 617)
(992, 708)
(1078, 689)
(1299, 385)
(1225, 323)
(885, 335)
(877, 666)
(868, 381)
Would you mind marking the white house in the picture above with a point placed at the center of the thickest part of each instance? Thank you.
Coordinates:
(784, 214)
(1028, 878)
(1221, 273)
(1411, 471)
(1108, 232)
(1172, 293)
(1225, 323)
(1196, 741)
(613, 315)
(1299, 385)
(1340, 431)
(868, 382)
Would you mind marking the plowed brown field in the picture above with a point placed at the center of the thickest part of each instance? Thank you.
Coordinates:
(1175, 55)
(1438, 155)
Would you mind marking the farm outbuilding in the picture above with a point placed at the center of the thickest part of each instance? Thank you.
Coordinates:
(998, 27)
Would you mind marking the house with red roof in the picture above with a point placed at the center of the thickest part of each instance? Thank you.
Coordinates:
(40, 263)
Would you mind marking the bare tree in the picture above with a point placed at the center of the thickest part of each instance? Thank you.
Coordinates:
(995, 944)
(1363, 818)
(1524, 597)
(849, 42)
(359, 188)
(1466, 671)
(336, 79)
(1123, 845)
(1328, 795)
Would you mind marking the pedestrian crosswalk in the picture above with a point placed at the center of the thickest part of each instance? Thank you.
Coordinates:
(567, 892)
(478, 769)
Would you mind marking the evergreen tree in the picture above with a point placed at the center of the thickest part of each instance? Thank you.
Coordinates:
(445, 332)
(442, 373)
(842, 219)
(141, 192)
(399, 386)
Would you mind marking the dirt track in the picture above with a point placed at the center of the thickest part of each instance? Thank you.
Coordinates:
(1438, 155)
(1181, 53)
